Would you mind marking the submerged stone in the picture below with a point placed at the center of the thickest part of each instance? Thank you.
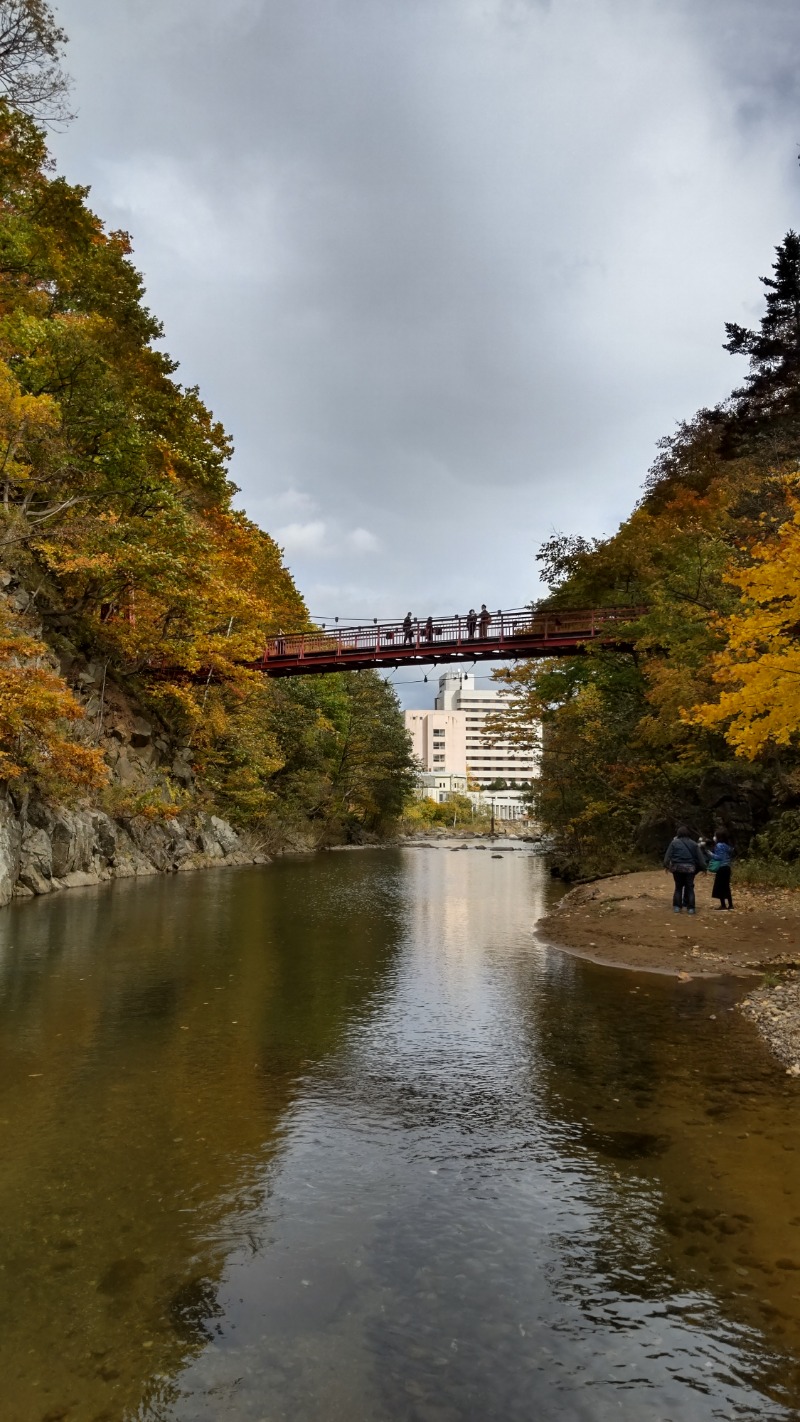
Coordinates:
(626, 1145)
(120, 1276)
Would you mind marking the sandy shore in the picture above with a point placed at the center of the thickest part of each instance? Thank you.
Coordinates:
(628, 922)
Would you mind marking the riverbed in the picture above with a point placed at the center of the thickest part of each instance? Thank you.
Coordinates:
(344, 1138)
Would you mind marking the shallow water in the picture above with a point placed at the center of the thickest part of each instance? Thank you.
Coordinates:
(340, 1138)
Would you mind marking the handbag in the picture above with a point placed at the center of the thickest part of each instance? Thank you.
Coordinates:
(714, 864)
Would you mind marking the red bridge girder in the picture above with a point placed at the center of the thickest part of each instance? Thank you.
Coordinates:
(505, 636)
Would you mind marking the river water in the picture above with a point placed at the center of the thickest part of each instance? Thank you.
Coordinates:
(341, 1139)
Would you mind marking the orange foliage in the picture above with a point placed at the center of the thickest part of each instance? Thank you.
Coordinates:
(36, 710)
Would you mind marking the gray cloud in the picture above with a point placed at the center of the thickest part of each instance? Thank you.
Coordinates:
(446, 270)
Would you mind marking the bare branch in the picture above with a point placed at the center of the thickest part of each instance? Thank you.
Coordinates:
(33, 520)
(31, 77)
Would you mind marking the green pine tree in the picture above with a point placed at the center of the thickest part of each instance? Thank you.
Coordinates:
(774, 349)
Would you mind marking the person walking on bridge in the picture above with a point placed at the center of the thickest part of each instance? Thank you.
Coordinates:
(484, 621)
(472, 622)
(408, 630)
(683, 859)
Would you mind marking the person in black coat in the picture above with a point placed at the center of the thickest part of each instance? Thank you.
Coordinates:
(722, 862)
(684, 858)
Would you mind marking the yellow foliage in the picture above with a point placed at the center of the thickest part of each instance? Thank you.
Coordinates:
(36, 710)
(26, 422)
(759, 667)
(156, 804)
(672, 687)
(189, 590)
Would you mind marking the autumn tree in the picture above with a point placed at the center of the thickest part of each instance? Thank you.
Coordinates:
(37, 711)
(347, 761)
(116, 496)
(759, 666)
(710, 551)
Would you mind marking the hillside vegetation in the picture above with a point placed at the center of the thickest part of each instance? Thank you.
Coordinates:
(119, 534)
(701, 721)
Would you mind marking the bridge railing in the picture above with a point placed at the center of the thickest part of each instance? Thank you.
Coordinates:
(427, 636)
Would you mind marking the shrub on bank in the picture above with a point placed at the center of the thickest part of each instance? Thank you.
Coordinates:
(768, 873)
(458, 810)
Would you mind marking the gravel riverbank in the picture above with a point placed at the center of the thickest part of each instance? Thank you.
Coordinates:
(775, 1009)
(627, 922)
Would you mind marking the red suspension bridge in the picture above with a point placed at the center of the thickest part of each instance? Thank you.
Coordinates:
(499, 636)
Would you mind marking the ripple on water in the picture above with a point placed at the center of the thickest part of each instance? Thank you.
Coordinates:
(338, 1139)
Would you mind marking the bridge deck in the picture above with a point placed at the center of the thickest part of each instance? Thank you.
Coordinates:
(504, 636)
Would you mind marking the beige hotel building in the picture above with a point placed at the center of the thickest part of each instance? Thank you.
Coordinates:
(450, 739)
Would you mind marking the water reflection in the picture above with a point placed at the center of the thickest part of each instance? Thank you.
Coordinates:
(342, 1139)
(668, 1085)
(151, 1040)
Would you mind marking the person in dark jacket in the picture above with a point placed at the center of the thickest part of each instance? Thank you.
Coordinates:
(472, 622)
(722, 863)
(684, 858)
(408, 630)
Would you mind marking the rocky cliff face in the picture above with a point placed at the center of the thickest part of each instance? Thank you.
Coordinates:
(45, 847)
(42, 849)
(141, 753)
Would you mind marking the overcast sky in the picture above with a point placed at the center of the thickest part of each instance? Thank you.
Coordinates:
(446, 269)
